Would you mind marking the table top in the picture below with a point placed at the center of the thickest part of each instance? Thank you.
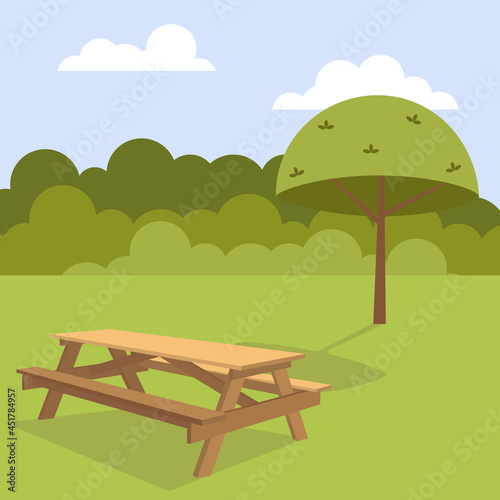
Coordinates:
(231, 356)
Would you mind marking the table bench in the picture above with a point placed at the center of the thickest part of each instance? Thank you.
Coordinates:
(224, 368)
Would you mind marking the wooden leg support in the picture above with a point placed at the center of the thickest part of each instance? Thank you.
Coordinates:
(295, 423)
(66, 363)
(128, 374)
(208, 379)
(211, 447)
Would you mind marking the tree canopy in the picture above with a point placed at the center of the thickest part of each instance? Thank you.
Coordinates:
(358, 140)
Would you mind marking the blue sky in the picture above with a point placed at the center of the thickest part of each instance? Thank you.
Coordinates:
(260, 49)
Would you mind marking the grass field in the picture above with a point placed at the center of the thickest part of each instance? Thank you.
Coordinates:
(415, 410)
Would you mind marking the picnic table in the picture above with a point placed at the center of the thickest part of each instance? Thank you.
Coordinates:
(225, 368)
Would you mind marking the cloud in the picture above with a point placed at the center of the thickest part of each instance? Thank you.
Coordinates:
(378, 75)
(169, 48)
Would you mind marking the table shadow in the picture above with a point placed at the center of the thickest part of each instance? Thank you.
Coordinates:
(159, 456)
(321, 366)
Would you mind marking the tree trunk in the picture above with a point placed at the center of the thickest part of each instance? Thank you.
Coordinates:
(379, 308)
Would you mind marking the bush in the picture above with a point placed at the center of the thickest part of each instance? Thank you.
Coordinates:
(418, 257)
(64, 230)
(163, 248)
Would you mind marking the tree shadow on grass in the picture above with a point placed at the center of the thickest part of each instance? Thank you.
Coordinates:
(159, 456)
(320, 366)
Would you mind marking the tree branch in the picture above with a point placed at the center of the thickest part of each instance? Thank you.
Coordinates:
(368, 212)
(412, 200)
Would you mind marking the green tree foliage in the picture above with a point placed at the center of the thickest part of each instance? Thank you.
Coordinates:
(480, 214)
(288, 211)
(372, 138)
(32, 175)
(491, 252)
(142, 176)
(229, 204)
(63, 230)
(461, 245)
(236, 224)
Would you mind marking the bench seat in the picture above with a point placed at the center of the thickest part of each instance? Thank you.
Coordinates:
(262, 382)
(166, 410)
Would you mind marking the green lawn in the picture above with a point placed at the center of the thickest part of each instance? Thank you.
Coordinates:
(431, 405)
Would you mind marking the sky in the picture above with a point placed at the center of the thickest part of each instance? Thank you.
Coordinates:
(260, 49)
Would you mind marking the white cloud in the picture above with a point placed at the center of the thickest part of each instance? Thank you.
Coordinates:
(377, 75)
(169, 48)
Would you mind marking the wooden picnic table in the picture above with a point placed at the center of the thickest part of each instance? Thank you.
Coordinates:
(225, 368)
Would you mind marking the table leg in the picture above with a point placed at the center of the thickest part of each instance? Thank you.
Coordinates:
(128, 374)
(295, 423)
(53, 398)
(211, 447)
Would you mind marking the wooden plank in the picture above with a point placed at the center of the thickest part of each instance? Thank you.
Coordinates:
(29, 383)
(263, 382)
(164, 366)
(295, 422)
(127, 373)
(256, 371)
(84, 371)
(53, 398)
(234, 357)
(251, 415)
(125, 399)
(211, 447)
(214, 382)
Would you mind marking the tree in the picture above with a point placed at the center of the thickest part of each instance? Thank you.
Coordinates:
(378, 156)
(481, 214)
(33, 174)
